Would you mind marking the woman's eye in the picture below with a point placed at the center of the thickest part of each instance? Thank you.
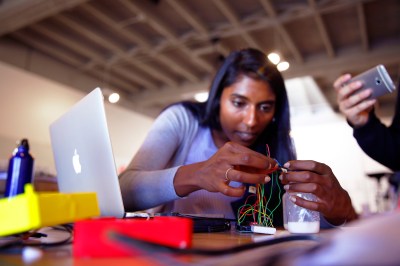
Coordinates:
(238, 103)
(266, 107)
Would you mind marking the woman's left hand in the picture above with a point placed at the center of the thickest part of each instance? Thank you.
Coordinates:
(317, 178)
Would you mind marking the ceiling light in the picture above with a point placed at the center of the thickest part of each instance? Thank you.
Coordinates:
(201, 96)
(113, 98)
(282, 66)
(274, 58)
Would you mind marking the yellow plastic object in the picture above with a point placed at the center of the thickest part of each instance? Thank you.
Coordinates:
(32, 210)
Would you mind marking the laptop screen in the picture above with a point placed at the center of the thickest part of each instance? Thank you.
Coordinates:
(83, 153)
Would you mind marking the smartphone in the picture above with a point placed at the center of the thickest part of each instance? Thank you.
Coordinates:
(377, 79)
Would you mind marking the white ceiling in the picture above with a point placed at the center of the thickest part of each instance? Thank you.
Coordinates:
(155, 52)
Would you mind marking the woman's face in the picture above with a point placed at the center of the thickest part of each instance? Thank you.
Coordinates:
(246, 109)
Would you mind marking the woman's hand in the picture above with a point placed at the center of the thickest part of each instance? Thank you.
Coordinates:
(317, 178)
(355, 107)
(232, 162)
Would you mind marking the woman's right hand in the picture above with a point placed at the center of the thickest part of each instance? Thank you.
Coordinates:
(355, 107)
(232, 162)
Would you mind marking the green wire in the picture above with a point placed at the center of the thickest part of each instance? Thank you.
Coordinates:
(265, 215)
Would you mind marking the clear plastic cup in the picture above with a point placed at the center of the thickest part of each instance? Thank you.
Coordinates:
(301, 220)
(284, 199)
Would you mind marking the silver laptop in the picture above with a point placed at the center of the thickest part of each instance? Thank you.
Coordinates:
(83, 154)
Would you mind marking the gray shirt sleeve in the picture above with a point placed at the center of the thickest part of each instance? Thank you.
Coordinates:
(148, 180)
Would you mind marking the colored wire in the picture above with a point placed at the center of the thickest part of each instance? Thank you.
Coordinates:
(260, 212)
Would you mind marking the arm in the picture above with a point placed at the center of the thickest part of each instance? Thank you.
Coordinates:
(378, 141)
(381, 143)
(232, 162)
(333, 202)
(148, 180)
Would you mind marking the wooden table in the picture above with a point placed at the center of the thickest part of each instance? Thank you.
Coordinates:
(62, 255)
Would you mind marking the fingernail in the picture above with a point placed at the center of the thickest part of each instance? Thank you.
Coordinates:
(286, 187)
(286, 165)
(280, 177)
(293, 199)
(267, 179)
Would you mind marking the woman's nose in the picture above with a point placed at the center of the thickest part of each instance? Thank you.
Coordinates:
(250, 117)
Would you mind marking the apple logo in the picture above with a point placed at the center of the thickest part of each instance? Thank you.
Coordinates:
(76, 163)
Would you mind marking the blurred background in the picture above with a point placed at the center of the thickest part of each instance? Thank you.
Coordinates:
(155, 52)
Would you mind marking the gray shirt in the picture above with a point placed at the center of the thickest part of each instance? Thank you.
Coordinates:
(175, 139)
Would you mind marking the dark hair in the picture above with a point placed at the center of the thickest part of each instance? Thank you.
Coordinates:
(253, 63)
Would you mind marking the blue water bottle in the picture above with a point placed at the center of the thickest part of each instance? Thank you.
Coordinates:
(20, 170)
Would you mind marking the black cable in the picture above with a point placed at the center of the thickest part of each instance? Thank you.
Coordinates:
(10, 243)
(198, 217)
(149, 246)
(20, 239)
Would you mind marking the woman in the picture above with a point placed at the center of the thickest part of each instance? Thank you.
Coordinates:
(197, 156)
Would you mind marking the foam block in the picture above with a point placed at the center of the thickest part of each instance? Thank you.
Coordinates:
(92, 239)
(263, 229)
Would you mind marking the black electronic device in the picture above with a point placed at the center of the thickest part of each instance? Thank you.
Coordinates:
(203, 223)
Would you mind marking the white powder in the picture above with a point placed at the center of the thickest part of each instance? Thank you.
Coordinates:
(303, 227)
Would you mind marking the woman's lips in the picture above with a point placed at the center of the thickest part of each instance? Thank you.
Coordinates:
(246, 136)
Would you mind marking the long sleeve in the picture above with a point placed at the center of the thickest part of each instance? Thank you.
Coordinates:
(380, 142)
(148, 180)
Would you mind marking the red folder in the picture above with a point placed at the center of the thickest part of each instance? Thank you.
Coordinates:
(92, 237)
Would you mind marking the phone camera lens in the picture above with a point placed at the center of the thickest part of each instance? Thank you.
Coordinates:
(378, 81)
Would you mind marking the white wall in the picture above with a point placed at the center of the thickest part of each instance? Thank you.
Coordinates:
(28, 105)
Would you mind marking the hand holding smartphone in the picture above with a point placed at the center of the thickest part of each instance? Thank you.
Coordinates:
(377, 79)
